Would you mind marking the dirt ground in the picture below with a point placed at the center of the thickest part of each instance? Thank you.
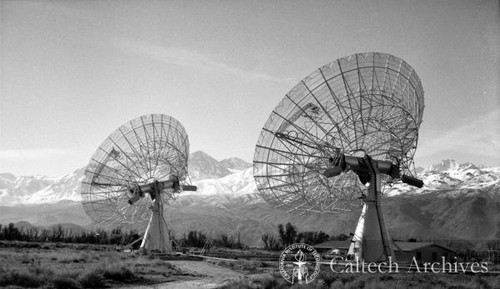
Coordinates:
(45, 264)
(210, 276)
(82, 266)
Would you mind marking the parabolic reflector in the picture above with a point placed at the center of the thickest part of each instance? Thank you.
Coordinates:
(365, 103)
(146, 150)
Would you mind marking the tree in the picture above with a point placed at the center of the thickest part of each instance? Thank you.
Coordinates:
(11, 232)
(195, 239)
(271, 242)
(312, 238)
(116, 236)
(288, 234)
(340, 237)
(230, 242)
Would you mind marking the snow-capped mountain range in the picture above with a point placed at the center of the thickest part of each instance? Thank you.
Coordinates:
(212, 176)
(233, 177)
(450, 178)
(458, 201)
(39, 189)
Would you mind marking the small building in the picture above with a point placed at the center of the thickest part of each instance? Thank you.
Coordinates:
(333, 247)
(403, 251)
(423, 252)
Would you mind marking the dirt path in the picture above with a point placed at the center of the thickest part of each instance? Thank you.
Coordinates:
(211, 276)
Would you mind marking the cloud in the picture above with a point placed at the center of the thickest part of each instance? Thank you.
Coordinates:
(32, 154)
(192, 59)
(481, 137)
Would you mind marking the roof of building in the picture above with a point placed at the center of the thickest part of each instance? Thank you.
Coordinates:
(399, 246)
(412, 246)
(333, 245)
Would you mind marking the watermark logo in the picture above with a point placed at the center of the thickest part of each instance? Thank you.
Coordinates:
(299, 263)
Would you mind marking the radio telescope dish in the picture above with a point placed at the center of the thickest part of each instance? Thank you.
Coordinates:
(317, 148)
(136, 171)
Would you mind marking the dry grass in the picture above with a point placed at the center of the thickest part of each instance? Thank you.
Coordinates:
(92, 279)
(327, 280)
(51, 266)
(64, 267)
(248, 266)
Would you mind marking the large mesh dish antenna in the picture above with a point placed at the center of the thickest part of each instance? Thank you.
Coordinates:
(136, 170)
(366, 103)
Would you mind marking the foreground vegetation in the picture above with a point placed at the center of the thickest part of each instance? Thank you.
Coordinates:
(116, 236)
(58, 233)
(58, 265)
(326, 280)
(265, 275)
(53, 265)
(61, 258)
(286, 235)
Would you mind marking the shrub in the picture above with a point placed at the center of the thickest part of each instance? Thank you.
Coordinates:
(23, 279)
(265, 282)
(346, 278)
(250, 266)
(478, 282)
(495, 282)
(355, 284)
(226, 264)
(270, 284)
(92, 279)
(118, 273)
(65, 282)
(328, 277)
(312, 285)
(337, 284)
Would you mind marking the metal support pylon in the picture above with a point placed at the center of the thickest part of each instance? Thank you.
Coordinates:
(371, 241)
(156, 237)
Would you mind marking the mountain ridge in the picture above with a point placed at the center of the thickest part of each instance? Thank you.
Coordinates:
(16, 190)
(458, 201)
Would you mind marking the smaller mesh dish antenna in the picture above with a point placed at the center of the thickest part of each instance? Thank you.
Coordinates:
(134, 173)
(342, 134)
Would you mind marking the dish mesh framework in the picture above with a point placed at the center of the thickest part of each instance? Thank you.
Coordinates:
(371, 102)
(149, 148)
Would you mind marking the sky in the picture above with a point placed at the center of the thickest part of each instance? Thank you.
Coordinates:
(71, 72)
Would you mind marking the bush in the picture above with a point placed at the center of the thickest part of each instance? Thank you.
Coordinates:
(242, 284)
(271, 283)
(264, 282)
(23, 279)
(346, 278)
(118, 273)
(478, 282)
(92, 279)
(385, 277)
(227, 264)
(496, 282)
(355, 284)
(65, 282)
(250, 266)
(337, 284)
(327, 276)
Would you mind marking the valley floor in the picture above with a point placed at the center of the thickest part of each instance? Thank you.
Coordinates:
(210, 276)
(79, 266)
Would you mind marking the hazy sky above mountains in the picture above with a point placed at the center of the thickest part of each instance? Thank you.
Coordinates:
(71, 72)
